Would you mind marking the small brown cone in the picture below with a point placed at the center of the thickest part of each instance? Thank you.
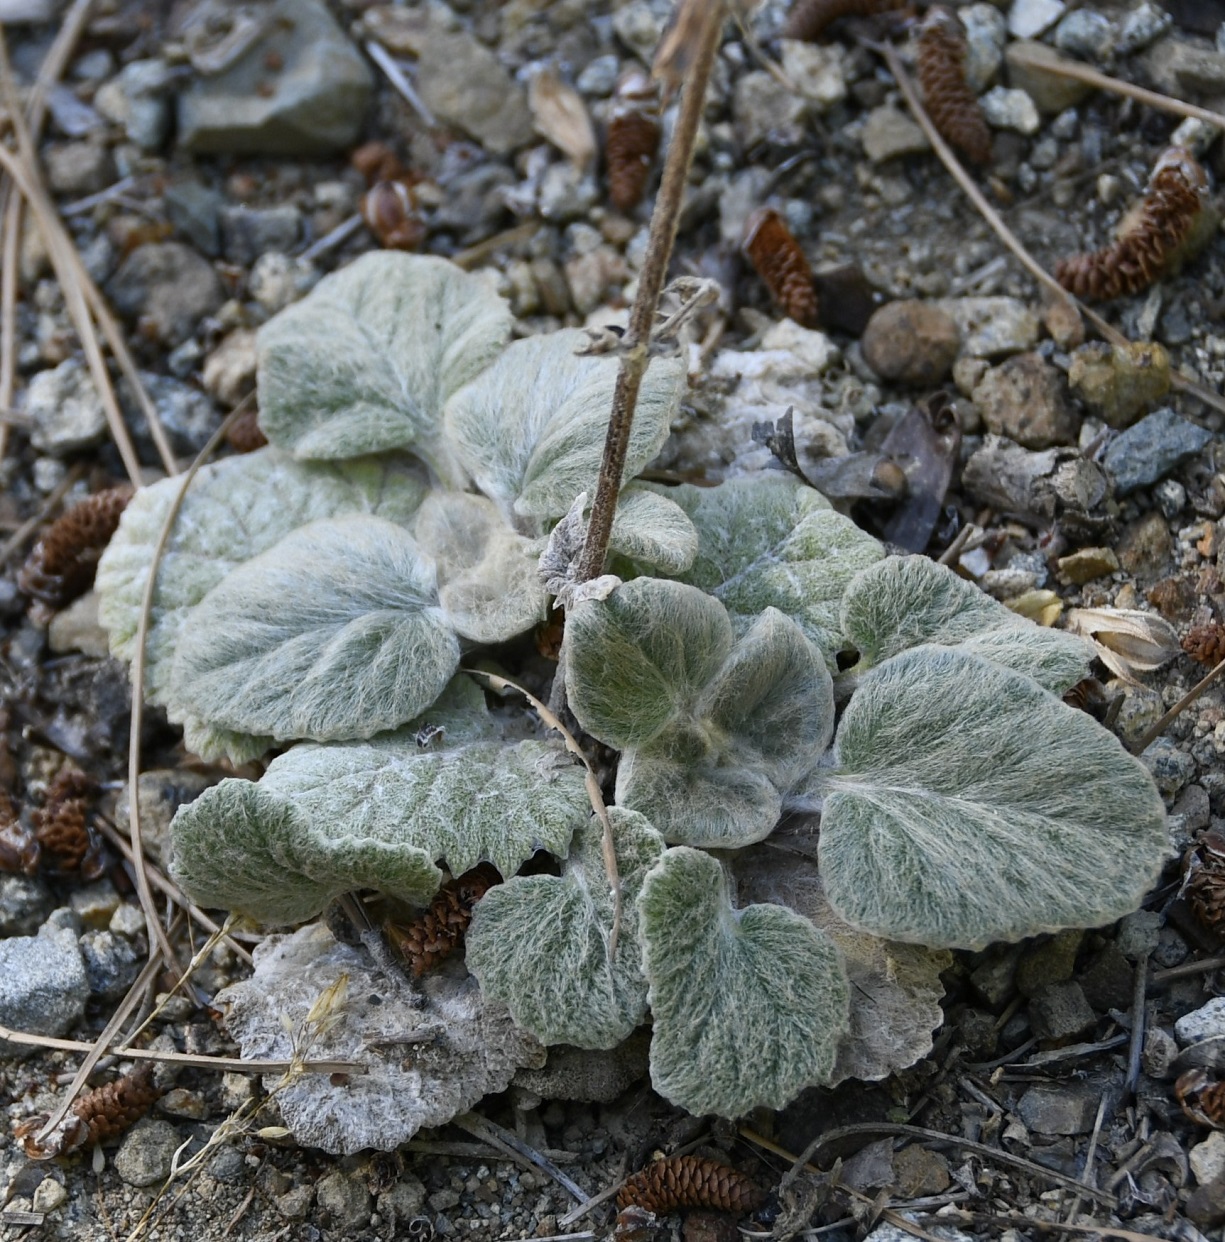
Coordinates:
(689, 1181)
(782, 265)
(952, 105)
(426, 941)
(1206, 643)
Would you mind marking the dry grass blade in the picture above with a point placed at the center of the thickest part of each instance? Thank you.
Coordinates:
(1091, 77)
(1006, 235)
(510, 1144)
(591, 783)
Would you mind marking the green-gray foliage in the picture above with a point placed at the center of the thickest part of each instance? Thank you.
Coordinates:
(968, 804)
(530, 429)
(748, 1005)
(366, 362)
(539, 944)
(774, 543)
(714, 731)
(904, 601)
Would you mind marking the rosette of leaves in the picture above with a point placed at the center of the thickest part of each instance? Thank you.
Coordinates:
(714, 730)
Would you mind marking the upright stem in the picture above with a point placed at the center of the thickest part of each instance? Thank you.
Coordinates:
(635, 348)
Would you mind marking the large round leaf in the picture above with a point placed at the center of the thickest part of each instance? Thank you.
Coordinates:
(333, 633)
(540, 943)
(748, 1005)
(968, 804)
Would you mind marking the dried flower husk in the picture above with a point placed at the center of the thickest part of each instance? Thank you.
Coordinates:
(1202, 1100)
(1126, 640)
(561, 116)
(19, 848)
(782, 265)
(1203, 881)
(389, 209)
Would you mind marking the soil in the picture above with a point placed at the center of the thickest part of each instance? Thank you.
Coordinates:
(1023, 1116)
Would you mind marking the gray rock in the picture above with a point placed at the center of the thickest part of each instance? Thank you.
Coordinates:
(277, 280)
(1007, 107)
(1171, 768)
(65, 408)
(111, 964)
(1049, 961)
(168, 286)
(1028, 18)
(992, 327)
(1143, 25)
(1033, 486)
(638, 25)
(995, 979)
(1050, 91)
(314, 104)
(1177, 67)
(474, 202)
(986, 33)
(1151, 449)
(1024, 399)
(1194, 806)
(187, 414)
(79, 167)
(1087, 34)
(1159, 1053)
(1119, 382)
(161, 791)
(43, 985)
(766, 111)
(296, 1202)
(72, 116)
(1206, 1022)
(895, 1233)
(195, 211)
(344, 1202)
(146, 1152)
(248, 232)
(1063, 1108)
(599, 76)
(402, 1201)
(24, 903)
(1107, 980)
(1059, 1012)
(137, 100)
(817, 71)
(889, 132)
(567, 193)
(464, 84)
(1138, 933)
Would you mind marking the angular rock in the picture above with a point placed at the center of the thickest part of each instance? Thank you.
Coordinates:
(229, 371)
(65, 408)
(1024, 399)
(169, 287)
(1143, 25)
(1051, 92)
(911, 342)
(1119, 382)
(1146, 546)
(992, 327)
(766, 111)
(77, 628)
(1027, 18)
(1063, 1108)
(186, 414)
(43, 985)
(111, 964)
(1206, 1022)
(138, 99)
(314, 103)
(889, 132)
(248, 232)
(1034, 487)
(145, 1155)
(1207, 1159)
(1107, 980)
(986, 33)
(1086, 34)
(1049, 961)
(817, 71)
(1010, 108)
(464, 84)
(343, 1201)
(195, 211)
(79, 167)
(1059, 1013)
(918, 1172)
(1085, 564)
(1151, 449)
(1177, 67)
(25, 902)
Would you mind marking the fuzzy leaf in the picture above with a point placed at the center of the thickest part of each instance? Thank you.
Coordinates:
(539, 943)
(240, 846)
(714, 731)
(334, 632)
(424, 1059)
(234, 510)
(748, 1005)
(653, 530)
(774, 543)
(905, 601)
(475, 801)
(366, 361)
(530, 429)
(968, 804)
(895, 988)
(488, 586)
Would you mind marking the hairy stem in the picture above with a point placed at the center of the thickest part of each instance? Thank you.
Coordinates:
(636, 344)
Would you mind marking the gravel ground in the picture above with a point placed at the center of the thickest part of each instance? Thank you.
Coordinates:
(205, 193)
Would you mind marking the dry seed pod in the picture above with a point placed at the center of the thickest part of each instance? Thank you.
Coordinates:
(1126, 640)
(809, 19)
(781, 264)
(1202, 1100)
(440, 930)
(632, 139)
(1206, 643)
(390, 212)
(98, 1115)
(63, 562)
(245, 436)
(953, 106)
(1151, 239)
(689, 1181)
(61, 825)
(1203, 883)
(376, 161)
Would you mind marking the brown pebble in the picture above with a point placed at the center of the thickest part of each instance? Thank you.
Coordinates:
(911, 342)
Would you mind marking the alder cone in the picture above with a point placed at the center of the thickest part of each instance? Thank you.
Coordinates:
(952, 105)
(64, 561)
(629, 148)
(782, 265)
(434, 936)
(809, 19)
(110, 1110)
(1150, 241)
(61, 825)
(1203, 885)
(689, 1181)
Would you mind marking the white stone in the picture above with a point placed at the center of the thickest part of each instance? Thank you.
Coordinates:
(992, 327)
(1146, 23)
(1087, 34)
(889, 132)
(813, 349)
(77, 628)
(1010, 108)
(65, 408)
(49, 1195)
(1206, 1022)
(816, 71)
(986, 34)
(1029, 18)
(1207, 1159)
